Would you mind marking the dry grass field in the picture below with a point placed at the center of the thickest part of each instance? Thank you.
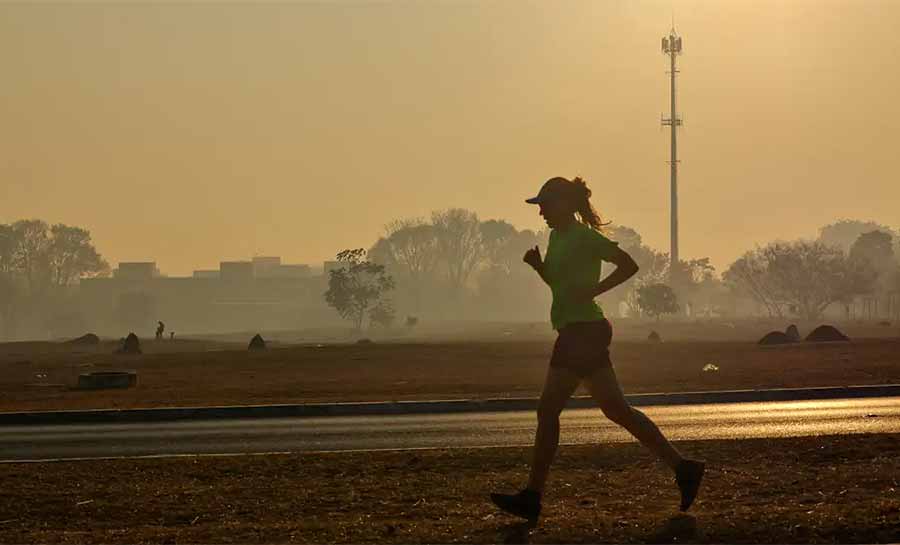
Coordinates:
(837, 489)
(503, 361)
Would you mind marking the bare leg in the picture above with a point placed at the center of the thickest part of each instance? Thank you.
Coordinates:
(558, 388)
(604, 388)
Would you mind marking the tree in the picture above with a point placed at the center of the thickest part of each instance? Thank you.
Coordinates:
(72, 256)
(459, 243)
(496, 238)
(382, 253)
(48, 257)
(628, 238)
(693, 278)
(7, 277)
(805, 276)
(507, 288)
(843, 233)
(749, 275)
(695, 271)
(656, 300)
(652, 266)
(813, 275)
(877, 248)
(37, 265)
(409, 251)
(357, 287)
(7, 250)
(31, 253)
(413, 246)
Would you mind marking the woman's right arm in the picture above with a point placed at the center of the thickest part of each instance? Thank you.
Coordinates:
(533, 258)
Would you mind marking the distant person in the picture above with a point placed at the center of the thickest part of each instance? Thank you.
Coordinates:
(160, 327)
(171, 335)
(581, 353)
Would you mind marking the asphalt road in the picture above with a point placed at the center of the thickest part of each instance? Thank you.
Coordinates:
(678, 422)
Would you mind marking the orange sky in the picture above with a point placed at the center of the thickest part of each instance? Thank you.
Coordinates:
(194, 132)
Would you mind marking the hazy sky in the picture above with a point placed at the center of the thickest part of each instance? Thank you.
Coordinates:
(194, 132)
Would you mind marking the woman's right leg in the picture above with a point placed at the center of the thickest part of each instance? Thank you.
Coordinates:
(558, 388)
(604, 388)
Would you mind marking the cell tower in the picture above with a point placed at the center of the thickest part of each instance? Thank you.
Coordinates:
(671, 46)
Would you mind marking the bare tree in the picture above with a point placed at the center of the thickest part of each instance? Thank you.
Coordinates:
(459, 243)
(805, 276)
(496, 238)
(7, 249)
(409, 251)
(31, 252)
(7, 279)
(749, 275)
(413, 247)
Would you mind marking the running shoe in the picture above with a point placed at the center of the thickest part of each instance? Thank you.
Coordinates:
(688, 475)
(525, 504)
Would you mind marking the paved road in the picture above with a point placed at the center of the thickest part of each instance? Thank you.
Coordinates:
(678, 422)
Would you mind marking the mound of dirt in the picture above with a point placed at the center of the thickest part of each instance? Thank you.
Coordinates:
(825, 333)
(257, 343)
(86, 339)
(775, 337)
(793, 333)
(131, 345)
(365, 341)
(654, 337)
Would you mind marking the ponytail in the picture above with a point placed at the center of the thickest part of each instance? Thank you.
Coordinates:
(582, 203)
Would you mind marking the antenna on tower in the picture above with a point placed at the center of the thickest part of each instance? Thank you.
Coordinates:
(671, 46)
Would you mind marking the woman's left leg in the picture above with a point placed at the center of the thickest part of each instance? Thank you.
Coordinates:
(560, 385)
(604, 388)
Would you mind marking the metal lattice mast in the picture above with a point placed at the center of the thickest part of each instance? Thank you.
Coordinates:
(671, 46)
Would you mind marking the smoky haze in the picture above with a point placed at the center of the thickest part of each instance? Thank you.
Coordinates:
(188, 134)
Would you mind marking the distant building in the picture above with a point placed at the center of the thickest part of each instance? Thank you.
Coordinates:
(257, 294)
(136, 271)
(292, 271)
(265, 266)
(236, 270)
(272, 267)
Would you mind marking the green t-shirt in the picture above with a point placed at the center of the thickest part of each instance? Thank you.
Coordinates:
(573, 260)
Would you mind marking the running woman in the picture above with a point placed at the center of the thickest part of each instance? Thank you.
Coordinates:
(581, 353)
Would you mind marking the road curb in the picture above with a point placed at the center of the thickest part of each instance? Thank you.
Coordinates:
(382, 408)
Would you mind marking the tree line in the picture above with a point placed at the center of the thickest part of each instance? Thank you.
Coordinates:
(455, 264)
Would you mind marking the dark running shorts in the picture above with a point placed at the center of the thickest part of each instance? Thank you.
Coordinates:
(583, 347)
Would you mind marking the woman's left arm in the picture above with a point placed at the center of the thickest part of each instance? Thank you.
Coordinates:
(625, 269)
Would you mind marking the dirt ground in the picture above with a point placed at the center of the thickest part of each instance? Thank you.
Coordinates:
(843, 489)
(41, 376)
